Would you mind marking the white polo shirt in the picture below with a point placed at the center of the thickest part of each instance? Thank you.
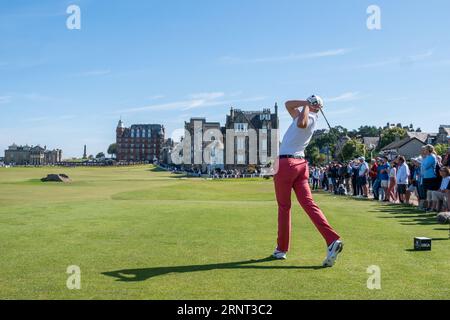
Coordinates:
(296, 139)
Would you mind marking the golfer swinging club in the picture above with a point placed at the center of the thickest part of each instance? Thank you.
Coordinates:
(293, 173)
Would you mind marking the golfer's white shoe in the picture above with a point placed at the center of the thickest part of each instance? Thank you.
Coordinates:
(333, 251)
(279, 255)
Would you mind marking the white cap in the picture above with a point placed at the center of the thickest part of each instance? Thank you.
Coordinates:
(315, 100)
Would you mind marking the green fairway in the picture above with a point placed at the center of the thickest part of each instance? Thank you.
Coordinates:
(138, 233)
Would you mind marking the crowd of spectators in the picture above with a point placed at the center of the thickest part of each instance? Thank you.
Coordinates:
(217, 173)
(423, 181)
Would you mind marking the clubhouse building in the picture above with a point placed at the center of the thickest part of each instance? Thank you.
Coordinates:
(31, 155)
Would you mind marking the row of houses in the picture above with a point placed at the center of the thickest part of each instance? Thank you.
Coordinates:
(31, 155)
(410, 146)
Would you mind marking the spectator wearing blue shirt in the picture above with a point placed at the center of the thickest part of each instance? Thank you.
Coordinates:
(384, 169)
(429, 163)
(428, 172)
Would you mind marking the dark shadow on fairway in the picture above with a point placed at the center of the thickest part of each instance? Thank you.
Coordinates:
(157, 169)
(173, 175)
(410, 215)
(135, 275)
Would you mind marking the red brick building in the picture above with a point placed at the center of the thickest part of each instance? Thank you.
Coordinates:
(140, 142)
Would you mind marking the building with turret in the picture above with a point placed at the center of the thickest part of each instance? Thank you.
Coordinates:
(140, 142)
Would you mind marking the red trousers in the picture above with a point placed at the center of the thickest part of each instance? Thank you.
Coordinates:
(294, 174)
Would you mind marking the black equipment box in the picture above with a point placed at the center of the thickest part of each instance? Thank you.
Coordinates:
(422, 244)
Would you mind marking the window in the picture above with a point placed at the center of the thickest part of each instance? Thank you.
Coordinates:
(240, 158)
(241, 143)
(264, 145)
(241, 127)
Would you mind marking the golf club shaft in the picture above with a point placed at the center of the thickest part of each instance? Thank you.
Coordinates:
(325, 118)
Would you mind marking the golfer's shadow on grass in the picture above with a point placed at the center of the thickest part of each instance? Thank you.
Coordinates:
(136, 275)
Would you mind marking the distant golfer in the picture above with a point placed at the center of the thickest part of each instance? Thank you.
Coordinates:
(293, 173)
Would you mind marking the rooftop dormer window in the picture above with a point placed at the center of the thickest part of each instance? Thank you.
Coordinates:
(241, 127)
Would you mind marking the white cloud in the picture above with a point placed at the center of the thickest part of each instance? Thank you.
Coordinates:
(288, 58)
(207, 95)
(400, 60)
(348, 96)
(420, 56)
(194, 101)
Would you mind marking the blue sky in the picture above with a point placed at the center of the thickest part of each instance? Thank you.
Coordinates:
(166, 61)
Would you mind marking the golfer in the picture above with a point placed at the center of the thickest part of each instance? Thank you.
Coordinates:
(293, 173)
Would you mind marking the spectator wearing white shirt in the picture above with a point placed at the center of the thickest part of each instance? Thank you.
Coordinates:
(362, 176)
(402, 178)
(440, 195)
(315, 178)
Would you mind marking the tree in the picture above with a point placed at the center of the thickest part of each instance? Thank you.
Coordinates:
(112, 149)
(391, 134)
(368, 131)
(314, 155)
(352, 149)
(328, 139)
(441, 149)
(100, 155)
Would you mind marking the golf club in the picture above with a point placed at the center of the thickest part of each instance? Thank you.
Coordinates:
(325, 119)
